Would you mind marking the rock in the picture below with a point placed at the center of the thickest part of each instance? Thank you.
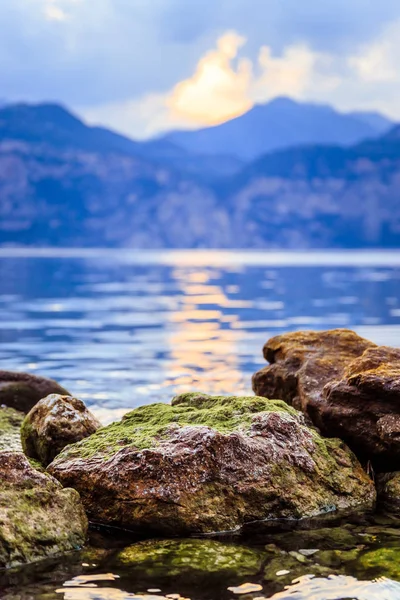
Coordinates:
(302, 363)
(381, 562)
(188, 560)
(206, 464)
(10, 424)
(388, 488)
(22, 390)
(38, 518)
(349, 387)
(363, 408)
(53, 423)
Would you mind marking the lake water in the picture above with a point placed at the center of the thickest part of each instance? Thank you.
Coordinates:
(122, 328)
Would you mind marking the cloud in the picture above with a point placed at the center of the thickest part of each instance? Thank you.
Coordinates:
(145, 66)
(218, 90)
(57, 10)
(110, 51)
(379, 61)
(222, 86)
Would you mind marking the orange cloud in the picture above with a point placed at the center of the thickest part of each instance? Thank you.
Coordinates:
(217, 90)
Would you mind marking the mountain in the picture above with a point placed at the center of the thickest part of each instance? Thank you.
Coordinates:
(319, 196)
(281, 123)
(378, 122)
(55, 126)
(65, 184)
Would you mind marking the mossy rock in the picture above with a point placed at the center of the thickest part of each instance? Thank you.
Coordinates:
(209, 464)
(190, 557)
(38, 518)
(381, 562)
(149, 426)
(10, 424)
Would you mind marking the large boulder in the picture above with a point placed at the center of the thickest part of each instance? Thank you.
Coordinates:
(206, 464)
(53, 423)
(38, 518)
(23, 390)
(302, 362)
(363, 408)
(348, 386)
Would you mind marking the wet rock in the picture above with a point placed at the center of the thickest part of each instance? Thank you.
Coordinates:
(349, 387)
(38, 518)
(22, 390)
(301, 363)
(363, 408)
(380, 562)
(189, 559)
(206, 464)
(388, 488)
(10, 424)
(53, 423)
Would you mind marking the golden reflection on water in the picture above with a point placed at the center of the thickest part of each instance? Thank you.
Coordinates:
(203, 343)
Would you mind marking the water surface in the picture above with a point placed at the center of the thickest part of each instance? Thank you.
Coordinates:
(122, 328)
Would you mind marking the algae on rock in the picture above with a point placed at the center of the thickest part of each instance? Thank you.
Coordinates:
(190, 558)
(37, 517)
(205, 464)
(10, 424)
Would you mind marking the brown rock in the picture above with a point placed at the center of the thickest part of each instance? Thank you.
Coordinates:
(206, 464)
(348, 386)
(363, 408)
(22, 390)
(303, 362)
(38, 518)
(53, 423)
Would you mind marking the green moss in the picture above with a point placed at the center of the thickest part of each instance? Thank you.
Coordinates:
(147, 425)
(10, 423)
(177, 558)
(36, 465)
(382, 562)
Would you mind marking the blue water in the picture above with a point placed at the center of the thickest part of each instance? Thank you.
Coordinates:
(123, 328)
(120, 329)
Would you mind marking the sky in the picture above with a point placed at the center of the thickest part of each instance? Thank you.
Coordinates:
(143, 67)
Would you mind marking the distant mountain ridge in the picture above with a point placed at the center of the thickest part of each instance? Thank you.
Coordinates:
(279, 124)
(63, 183)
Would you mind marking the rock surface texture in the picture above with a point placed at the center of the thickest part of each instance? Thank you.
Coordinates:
(53, 423)
(22, 390)
(207, 464)
(349, 387)
(10, 424)
(37, 517)
(388, 488)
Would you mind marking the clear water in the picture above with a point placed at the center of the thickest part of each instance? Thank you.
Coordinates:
(120, 329)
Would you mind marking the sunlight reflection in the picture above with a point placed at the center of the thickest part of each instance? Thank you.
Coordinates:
(203, 347)
(338, 587)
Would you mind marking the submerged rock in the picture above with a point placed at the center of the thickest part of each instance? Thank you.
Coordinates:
(189, 559)
(38, 518)
(53, 423)
(349, 387)
(206, 464)
(23, 390)
(10, 424)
